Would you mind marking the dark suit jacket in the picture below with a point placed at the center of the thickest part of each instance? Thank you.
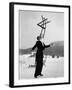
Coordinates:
(40, 47)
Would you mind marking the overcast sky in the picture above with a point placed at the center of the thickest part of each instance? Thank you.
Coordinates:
(28, 29)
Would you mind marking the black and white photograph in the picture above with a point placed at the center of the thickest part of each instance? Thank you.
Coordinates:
(41, 44)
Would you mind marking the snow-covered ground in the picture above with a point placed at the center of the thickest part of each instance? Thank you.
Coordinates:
(53, 67)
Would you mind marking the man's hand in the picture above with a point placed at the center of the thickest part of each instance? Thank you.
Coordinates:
(52, 44)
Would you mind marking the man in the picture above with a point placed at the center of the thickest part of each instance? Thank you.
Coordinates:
(39, 56)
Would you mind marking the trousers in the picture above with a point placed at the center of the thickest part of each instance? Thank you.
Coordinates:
(39, 66)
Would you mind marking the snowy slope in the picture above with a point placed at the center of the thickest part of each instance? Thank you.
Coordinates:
(53, 67)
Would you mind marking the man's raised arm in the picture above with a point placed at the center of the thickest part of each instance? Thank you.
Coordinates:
(50, 45)
(34, 46)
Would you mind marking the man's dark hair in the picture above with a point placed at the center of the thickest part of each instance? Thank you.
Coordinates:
(38, 37)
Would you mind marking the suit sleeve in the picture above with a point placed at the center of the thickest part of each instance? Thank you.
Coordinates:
(34, 46)
(46, 46)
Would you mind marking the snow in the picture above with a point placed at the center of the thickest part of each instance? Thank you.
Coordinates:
(52, 68)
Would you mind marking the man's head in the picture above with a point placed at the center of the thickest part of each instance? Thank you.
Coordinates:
(38, 38)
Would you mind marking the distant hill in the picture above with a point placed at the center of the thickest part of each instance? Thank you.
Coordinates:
(25, 51)
(57, 49)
